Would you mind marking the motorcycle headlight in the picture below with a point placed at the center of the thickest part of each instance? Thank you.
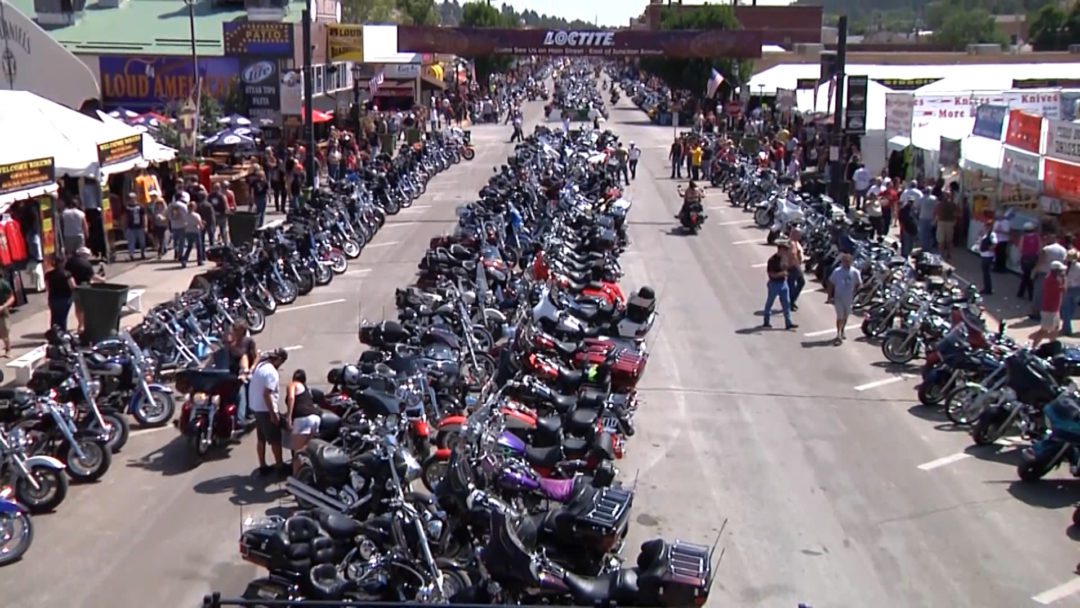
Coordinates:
(412, 467)
(95, 388)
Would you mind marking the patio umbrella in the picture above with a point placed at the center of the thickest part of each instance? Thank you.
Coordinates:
(235, 120)
(124, 114)
(230, 138)
(317, 116)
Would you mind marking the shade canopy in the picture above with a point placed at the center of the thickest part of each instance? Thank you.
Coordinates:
(31, 123)
(152, 151)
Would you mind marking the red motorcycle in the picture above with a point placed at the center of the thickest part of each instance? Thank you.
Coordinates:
(208, 417)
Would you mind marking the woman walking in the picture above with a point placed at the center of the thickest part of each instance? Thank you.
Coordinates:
(303, 418)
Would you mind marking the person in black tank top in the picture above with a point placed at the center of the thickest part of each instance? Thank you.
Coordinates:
(303, 417)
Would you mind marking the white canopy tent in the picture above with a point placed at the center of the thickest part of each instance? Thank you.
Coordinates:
(71, 137)
(981, 154)
(153, 152)
(873, 142)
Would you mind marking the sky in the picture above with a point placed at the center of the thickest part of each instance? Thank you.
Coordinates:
(605, 12)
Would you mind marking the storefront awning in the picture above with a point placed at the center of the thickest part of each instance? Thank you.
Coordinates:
(397, 88)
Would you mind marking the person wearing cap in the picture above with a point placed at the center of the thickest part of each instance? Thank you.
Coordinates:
(635, 156)
(1052, 251)
(777, 286)
(842, 285)
(1053, 292)
(1030, 249)
(135, 225)
(264, 391)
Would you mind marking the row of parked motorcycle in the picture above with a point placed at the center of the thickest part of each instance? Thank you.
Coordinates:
(66, 423)
(506, 388)
(979, 377)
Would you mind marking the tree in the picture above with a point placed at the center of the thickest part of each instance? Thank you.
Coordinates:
(963, 27)
(368, 11)
(418, 12)
(693, 74)
(1047, 30)
(482, 14)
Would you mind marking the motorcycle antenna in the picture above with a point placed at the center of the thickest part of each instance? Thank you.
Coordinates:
(723, 550)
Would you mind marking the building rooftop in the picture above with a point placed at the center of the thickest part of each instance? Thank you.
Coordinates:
(148, 27)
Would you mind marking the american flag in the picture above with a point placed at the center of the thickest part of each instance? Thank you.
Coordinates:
(715, 80)
(373, 84)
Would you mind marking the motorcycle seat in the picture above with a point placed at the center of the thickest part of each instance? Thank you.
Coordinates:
(588, 591)
(338, 525)
(19, 396)
(550, 425)
(582, 420)
(563, 403)
(99, 365)
(570, 378)
(559, 490)
(543, 457)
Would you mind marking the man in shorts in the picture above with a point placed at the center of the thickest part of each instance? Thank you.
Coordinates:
(264, 395)
(843, 283)
(1053, 293)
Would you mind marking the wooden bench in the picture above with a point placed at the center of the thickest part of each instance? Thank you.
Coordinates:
(134, 300)
(27, 363)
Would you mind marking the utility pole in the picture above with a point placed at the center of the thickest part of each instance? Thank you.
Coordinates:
(836, 161)
(309, 89)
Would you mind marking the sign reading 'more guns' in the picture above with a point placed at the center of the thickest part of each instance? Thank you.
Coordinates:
(474, 42)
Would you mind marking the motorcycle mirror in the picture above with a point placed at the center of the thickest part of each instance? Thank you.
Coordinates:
(1001, 328)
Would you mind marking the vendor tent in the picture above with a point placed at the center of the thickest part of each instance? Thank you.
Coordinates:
(152, 151)
(27, 120)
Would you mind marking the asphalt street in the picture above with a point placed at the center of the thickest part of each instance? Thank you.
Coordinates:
(837, 490)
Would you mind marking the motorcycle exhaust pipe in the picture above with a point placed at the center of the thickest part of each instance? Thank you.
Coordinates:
(320, 499)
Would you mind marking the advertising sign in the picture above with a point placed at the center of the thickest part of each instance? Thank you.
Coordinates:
(785, 100)
(1044, 103)
(261, 86)
(471, 42)
(1063, 141)
(345, 42)
(899, 108)
(806, 84)
(1025, 131)
(905, 84)
(16, 177)
(989, 120)
(855, 108)
(145, 83)
(401, 71)
(1062, 180)
(1070, 105)
(292, 93)
(938, 109)
(263, 38)
(1044, 83)
(1020, 169)
(949, 152)
(120, 150)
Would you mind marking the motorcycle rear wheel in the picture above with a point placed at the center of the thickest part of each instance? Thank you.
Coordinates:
(432, 472)
(51, 491)
(13, 545)
(119, 429)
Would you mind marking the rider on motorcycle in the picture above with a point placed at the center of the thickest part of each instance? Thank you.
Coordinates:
(691, 196)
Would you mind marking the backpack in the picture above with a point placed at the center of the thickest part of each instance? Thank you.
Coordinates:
(985, 243)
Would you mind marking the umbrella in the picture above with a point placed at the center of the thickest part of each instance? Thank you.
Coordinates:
(124, 114)
(229, 138)
(235, 120)
(317, 116)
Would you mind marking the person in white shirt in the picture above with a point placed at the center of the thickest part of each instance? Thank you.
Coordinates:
(1002, 228)
(861, 182)
(987, 251)
(264, 397)
(635, 156)
(1072, 291)
(1052, 251)
(911, 194)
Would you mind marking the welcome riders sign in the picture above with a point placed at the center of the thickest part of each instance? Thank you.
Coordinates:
(473, 42)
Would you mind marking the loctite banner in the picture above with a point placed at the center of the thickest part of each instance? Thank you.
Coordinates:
(1063, 141)
(1025, 131)
(472, 42)
(855, 107)
(1062, 180)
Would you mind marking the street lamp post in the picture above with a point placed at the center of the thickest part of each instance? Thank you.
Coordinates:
(194, 55)
(357, 72)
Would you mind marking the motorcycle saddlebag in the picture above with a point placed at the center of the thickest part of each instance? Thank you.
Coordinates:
(641, 305)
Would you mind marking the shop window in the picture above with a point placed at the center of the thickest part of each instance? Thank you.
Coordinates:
(319, 74)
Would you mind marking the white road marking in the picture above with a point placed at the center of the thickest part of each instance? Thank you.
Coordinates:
(747, 242)
(358, 271)
(316, 304)
(151, 431)
(825, 332)
(398, 224)
(882, 382)
(1060, 592)
(416, 208)
(733, 222)
(381, 245)
(761, 265)
(945, 460)
(295, 347)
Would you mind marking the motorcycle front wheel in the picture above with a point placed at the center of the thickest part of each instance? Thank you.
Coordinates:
(468, 154)
(897, 349)
(761, 217)
(932, 393)
(323, 275)
(52, 488)
(1033, 467)
(305, 282)
(351, 249)
(92, 465)
(285, 292)
(155, 414)
(119, 429)
(256, 320)
(989, 427)
(338, 262)
(16, 536)
(962, 405)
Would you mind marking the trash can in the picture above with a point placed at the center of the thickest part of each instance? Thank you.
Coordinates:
(101, 304)
(242, 227)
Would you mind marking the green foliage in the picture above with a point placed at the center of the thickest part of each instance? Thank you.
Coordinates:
(369, 11)
(451, 12)
(963, 27)
(1052, 29)
(418, 12)
(481, 14)
(693, 74)
(209, 114)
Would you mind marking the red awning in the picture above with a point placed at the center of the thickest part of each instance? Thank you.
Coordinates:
(317, 116)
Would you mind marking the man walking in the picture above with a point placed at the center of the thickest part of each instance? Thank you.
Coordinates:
(1053, 291)
(135, 226)
(635, 156)
(622, 172)
(777, 286)
(987, 252)
(795, 279)
(675, 156)
(843, 283)
(265, 395)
